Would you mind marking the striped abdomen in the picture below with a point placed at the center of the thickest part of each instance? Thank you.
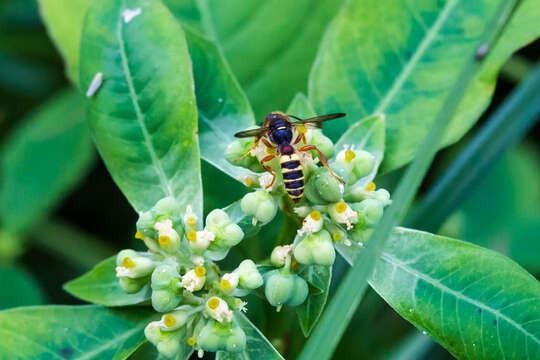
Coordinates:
(293, 176)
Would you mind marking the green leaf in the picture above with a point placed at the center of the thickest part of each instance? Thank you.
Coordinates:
(366, 134)
(270, 46)
(223, 106)
(19, 288)
(509, 122)
(350, 293)
(401, 59)
(301, 107)
(72, 332)
(44, 158)
(101, 286)
(473, 301)
(257, 348)
(318, 277)
(144, 117)
(64, 23)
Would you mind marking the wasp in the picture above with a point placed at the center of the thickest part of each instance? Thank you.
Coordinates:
(276, 132)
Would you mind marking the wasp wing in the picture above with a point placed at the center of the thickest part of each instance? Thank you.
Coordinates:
(258, 132)
(316, 122)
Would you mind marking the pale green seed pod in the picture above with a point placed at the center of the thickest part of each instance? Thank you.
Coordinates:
(363, 163)
(165, 300)
(316, 248)
(238, 148)
(132, 286)
(322, 188)
(260, 205)
(221, 337)
(323, 143)
(166, 291)
(217, 217)
(152, 332)
(248, 275)
(371, 210)
(279, 255)
(169, 347)
(168, 206)
(283, 288)
(232, 234)
(361, 235)
(236, 341)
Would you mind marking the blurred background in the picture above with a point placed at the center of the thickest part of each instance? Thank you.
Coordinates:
(61, 213)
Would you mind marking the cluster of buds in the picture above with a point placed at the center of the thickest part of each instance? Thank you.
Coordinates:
(196, 299)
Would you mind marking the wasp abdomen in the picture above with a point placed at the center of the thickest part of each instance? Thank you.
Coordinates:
(293, 176)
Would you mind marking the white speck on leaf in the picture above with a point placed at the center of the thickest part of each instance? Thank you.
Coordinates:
(411, 310)
(220, 100)
(425, 333)
(361, 244)
(95, 84)
(129, 14)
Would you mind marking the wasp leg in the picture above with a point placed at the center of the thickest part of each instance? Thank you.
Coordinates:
(323, 159)
(269, 169)
(268, 144)
(255, 144)
(300, 137)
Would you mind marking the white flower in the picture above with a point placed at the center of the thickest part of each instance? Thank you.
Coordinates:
(229, 282)
(218, 309)
(166, 234)
(194, 279)
(342, 213)
(200, 240)
(260, 151)
(312, 223)
(240, 305)
(197, 260)
(265, 180)
(190, 219)
(134, 267)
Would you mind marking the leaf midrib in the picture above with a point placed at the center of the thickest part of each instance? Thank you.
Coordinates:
(140, 116)
(419, 52)
(443, 288)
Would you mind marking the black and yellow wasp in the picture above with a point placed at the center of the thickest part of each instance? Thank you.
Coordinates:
(276, 132)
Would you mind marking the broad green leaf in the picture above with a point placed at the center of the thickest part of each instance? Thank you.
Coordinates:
(188, 12)
(319, 278)
(72, 332)
(18, 288)
(367, 134)
(44, 158)
(64, 23)
(144, 116)
(100, 286)
(301, 107)
(350, 293)
(223, 106)
(270, 45)
(473, 301)
(401, 58)
(257, 347)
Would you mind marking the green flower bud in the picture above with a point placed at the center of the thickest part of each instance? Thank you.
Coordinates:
(145, 223)
(169, 347)
(260, 205)
(322, 188)
(239, 148)
(371, 210)
(284, 288)
(167, 343)
(221, 337)
(323, 143)
(248, 275)
(132, 286)
(383, 196)
(152, 332)
(360, 235)
(217, 218)
(316, 248)
(363, 163)
(166, 289)
(165, 300)
(132, 264)
(227, 234)
(168, 206)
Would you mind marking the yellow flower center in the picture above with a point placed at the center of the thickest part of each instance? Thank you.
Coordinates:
(192, 235)
(164, 240)
(224, 284)
(169, 321)
(315, 215)
(301, 129)
(139, 235)
(128, 263)
(200, 271)
(213, 303)
(238, 302)
(341, 207)
(371, 186)
(349, 155)
(336, 236)
(248, 181)
(192, 341)
(191, 221)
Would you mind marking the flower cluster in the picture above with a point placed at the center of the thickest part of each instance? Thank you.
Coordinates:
(196, 299)
(332, 213)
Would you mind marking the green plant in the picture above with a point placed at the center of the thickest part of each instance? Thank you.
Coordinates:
(161, 96)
